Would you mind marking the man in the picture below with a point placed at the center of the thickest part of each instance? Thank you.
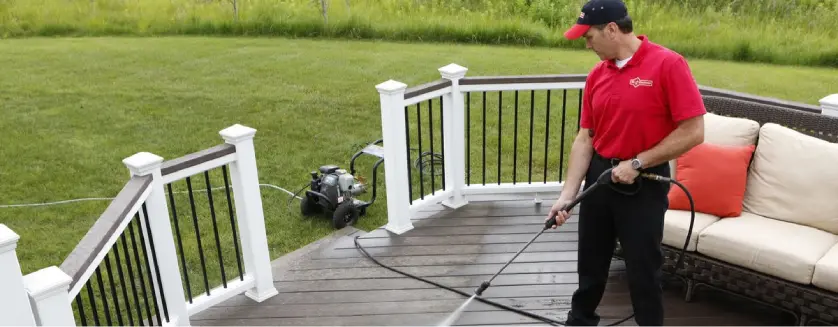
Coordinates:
(641, 108)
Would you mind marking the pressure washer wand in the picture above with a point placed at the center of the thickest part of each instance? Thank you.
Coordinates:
(604, 178)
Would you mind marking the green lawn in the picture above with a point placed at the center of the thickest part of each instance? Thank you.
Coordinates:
(711, 29)
(63, 98)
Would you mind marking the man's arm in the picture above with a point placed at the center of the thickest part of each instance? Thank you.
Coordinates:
(582, 149)
(581, 153)
(690, 132)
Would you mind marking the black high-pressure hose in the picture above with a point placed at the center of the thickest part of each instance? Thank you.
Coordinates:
(603, 179)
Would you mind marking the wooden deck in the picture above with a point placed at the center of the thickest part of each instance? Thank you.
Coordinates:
(331, 282)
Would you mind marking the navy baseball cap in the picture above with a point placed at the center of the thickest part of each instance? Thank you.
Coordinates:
(596, 12)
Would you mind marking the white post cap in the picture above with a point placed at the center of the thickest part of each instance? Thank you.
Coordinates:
(829, 105)
(830, 101)
(44, 282)
(8, 238)
(453, 71)
(237, 133)
(391, 87)
(143, 163)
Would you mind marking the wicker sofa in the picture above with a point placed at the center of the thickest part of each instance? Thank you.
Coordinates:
(783, 249)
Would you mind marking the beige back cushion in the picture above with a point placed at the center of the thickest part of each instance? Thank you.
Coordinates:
(793, 178)
(723, 130)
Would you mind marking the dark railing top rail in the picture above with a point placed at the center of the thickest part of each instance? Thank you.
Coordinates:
(560, 78)
(712, 91)
(197, 158)
(82, 256)
(813, 124)
(426, 88)
(566, 78)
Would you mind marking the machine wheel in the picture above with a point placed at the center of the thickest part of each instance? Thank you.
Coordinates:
(346, 214)
(308, 207)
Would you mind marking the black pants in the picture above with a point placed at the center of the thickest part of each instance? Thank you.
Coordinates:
(637, 221)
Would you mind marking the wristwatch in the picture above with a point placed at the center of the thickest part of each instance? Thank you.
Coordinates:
(636, 164)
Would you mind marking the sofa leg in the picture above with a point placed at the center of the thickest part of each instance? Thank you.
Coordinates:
(801, 319)
(688, 297)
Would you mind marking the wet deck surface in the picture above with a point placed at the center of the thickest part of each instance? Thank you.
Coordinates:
(336, 285)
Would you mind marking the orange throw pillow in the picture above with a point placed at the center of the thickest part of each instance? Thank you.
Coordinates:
(715, 175)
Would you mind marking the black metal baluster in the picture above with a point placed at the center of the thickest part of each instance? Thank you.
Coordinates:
(579, 109)
(131, 278)
(80, 306)
(198, 234)
(149, 275)
(500, 114)
(122, 282)
(113, 288)
(179, 241)
(409, 168)
(468, 138)
(419, 157)
(140, 267)
(92, 300)
(484, 137)
(233, 222)
(442, 139)
(122, 278)
(104, 296)
(532, 113)
(431, 136)
(564, 122)
(156, 269)
(547, 137)
(215, 229)
(514, 144)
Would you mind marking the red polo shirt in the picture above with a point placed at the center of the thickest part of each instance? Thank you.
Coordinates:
(632, 109)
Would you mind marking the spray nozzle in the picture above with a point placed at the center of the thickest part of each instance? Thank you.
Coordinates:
(482, 288)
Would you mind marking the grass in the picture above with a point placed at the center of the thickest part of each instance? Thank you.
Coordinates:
(780, 31)
(76, 107)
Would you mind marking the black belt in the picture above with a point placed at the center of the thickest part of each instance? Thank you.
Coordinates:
(611, 161)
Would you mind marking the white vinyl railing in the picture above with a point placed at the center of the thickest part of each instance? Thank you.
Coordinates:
(454, 110)
(133, 254)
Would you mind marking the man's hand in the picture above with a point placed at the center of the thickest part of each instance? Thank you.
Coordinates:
(558, 210)
(624, 173)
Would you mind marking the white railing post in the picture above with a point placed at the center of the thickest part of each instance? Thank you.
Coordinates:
(251, 219)
(14, 303)
(394, 134)
(161, 239)
(455, 137)
(829, 105)
(49, 297)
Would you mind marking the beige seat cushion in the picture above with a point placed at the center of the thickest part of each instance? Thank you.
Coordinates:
(793, 178)
(723, 130)
(676, 224)
(826, 271)
(770, 246)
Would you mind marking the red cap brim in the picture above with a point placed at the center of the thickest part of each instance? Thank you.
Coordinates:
(576, 31)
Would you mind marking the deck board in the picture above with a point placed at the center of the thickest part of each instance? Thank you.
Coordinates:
(338, 285)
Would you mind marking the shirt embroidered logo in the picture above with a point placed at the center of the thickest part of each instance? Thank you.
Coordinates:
(640, 82)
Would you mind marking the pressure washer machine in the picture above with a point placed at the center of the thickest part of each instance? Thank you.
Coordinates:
(334, 191)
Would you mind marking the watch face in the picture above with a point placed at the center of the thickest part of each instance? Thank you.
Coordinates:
(635, 164)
